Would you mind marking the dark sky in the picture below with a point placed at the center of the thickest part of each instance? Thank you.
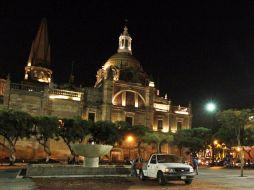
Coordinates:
(195, 51)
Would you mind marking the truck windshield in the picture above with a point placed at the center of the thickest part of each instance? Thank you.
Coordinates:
(168, 159)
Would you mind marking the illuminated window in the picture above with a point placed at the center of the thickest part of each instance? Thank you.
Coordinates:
(91, 116)
(129, 120)
(130, 99)
(179, 125)
(160, 124)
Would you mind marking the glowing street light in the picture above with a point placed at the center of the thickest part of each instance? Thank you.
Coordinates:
(130, 139)
(210, 107)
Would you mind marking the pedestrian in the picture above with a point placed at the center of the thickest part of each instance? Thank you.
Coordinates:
(195, 163)
(133, 167)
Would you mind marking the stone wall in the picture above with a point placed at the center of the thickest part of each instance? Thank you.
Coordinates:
(64, 108)
(30, 102)
(36, 100)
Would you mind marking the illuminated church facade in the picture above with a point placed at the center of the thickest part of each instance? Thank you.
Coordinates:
(122, 92)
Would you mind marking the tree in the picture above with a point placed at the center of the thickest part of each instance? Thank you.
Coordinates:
(182, 138)
(248, 140)
(195, 139)
(46, 128)
(248, 136)
(73, 130)
(123, 129)
(14, 125)
(225, 135)
(104, 132)
(201, 138)
(138, 131)
(158, 138)
(235, 120)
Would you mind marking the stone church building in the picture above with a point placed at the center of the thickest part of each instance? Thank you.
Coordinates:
(122, 92)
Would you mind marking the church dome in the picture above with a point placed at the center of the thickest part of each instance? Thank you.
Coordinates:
(123, 65)
(123, 61)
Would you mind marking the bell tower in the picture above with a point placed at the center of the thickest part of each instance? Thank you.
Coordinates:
(38, 65)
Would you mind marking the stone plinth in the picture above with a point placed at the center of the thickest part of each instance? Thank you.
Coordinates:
(58, 170)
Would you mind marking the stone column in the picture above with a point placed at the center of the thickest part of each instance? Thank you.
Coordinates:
(149, 98)
(107, 99)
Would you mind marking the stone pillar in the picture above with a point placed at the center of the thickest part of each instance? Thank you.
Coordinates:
(149, 98)
(107, 99)
(91, 162)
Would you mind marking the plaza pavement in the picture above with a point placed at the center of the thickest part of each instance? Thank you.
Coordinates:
(8, 180)
(208, 178)
(228, 177)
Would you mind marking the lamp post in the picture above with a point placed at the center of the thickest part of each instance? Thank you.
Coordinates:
(215, 142)
(129, 140)
(210, 107)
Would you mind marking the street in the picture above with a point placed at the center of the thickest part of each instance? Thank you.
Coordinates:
(208, 179)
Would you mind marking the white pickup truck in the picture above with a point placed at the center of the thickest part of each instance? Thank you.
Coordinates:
(164, 167)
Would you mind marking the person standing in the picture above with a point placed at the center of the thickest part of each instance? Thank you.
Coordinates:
(133, 167)
(195, 163)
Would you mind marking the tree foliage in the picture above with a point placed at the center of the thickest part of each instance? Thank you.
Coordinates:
(138, 131)
(14, 125)
(104, 132)
(225, 135)
(73, 130)
(248, 136)
(46, 128)
(158, 138)
(235, 120)
(195, 139)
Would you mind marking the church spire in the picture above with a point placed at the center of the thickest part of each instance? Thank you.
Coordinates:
(38, 65)
(125, 42)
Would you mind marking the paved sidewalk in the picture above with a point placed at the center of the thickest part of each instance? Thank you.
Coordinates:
(8, 180)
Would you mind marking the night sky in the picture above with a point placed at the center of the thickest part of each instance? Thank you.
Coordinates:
(195, 51)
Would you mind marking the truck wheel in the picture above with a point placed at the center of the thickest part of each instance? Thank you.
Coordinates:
(141, 175)
(161, 178)
(188, 182)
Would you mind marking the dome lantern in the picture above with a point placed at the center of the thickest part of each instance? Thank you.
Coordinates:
(125, 42)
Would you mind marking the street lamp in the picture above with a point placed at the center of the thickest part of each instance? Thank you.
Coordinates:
(215, 142)
(211, 108)
(129, 140)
